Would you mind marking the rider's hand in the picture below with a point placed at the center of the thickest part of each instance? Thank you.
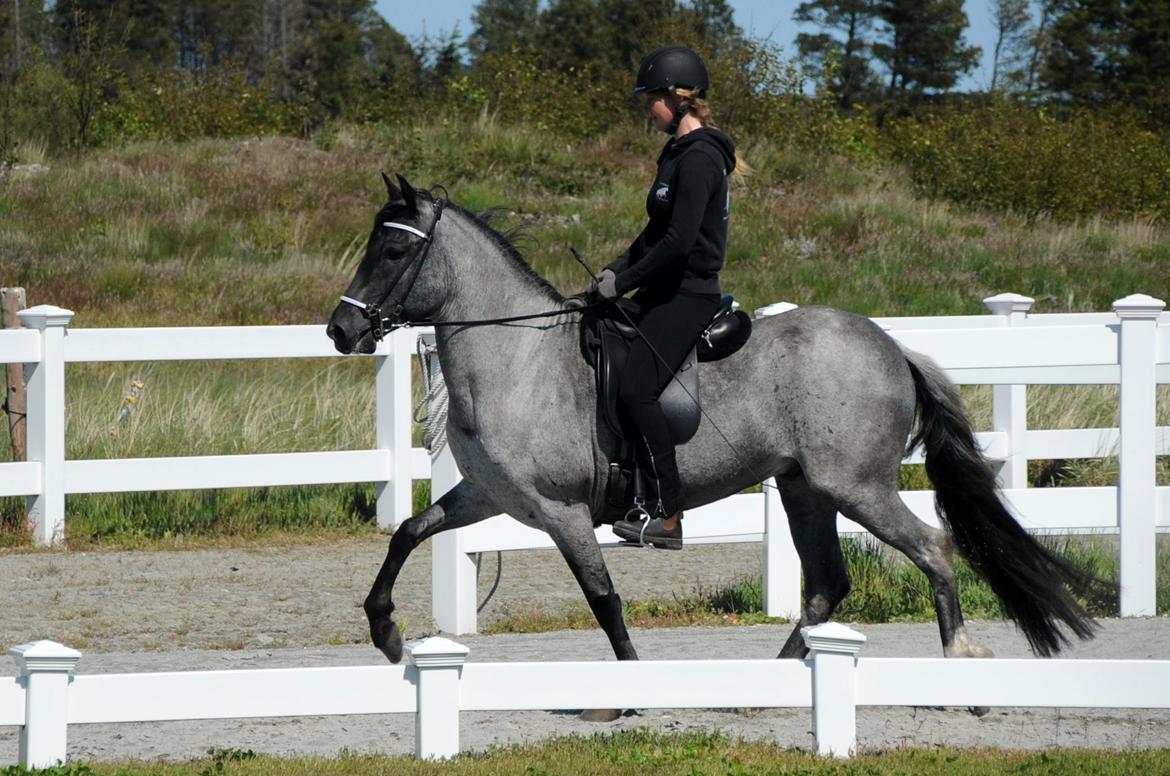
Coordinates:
(604, 286)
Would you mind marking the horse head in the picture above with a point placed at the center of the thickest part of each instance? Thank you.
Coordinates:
(398, 278)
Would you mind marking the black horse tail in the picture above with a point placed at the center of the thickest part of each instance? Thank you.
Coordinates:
(1036, 588)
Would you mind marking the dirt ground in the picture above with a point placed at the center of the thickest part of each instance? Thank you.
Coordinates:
(301, 606)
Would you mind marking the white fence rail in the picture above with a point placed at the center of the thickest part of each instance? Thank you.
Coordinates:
(45, 698)
(1009, 349)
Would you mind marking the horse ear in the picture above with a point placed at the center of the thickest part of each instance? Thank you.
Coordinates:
(391, 190)
(408, 193)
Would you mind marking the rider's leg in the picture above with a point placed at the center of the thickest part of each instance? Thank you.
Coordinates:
(668, 332)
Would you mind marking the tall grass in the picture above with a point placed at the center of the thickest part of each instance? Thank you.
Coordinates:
(885, 588)
(269, 231)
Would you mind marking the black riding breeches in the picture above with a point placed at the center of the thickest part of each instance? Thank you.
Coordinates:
(670, 326)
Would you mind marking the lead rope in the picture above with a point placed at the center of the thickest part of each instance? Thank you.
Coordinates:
(435, 437)
(434, 399)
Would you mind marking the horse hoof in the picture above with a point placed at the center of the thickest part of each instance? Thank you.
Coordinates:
(980, 651)
(978, 711)
(386, 637)
(600, 715)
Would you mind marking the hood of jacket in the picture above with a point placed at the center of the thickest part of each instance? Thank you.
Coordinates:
(709, 135)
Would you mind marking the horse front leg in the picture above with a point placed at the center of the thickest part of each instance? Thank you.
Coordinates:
(461, 506)
(571, 529)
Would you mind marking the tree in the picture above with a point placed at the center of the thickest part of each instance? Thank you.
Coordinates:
(713, 22)
(1103, 51)
(1145, 68)
(1014, 35)
(142, 30)
(502, 25)
(924, 51)
(847, 61)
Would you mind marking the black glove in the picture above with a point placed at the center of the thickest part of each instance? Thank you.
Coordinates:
(604, 286)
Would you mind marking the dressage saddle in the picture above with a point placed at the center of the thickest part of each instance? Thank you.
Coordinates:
(606, 344)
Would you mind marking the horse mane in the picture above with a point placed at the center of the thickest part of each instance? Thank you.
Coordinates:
(505, 241)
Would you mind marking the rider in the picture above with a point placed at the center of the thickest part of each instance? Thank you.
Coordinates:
(674, 267)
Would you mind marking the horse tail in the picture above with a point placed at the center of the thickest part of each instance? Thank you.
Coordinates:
(1036, 588)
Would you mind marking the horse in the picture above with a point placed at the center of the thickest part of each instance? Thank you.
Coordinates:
(820, 399)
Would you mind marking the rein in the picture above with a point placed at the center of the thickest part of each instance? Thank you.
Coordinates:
(381, 326)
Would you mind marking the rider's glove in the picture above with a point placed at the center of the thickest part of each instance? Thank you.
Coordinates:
(604, 285)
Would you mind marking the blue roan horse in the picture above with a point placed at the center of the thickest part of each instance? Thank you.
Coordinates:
(821, 399)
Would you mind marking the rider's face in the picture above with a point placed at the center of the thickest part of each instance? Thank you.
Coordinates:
(660, 107)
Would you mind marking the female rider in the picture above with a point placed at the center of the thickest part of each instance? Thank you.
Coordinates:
(674, 267)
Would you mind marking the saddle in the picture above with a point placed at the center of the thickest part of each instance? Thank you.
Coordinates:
(606, 343)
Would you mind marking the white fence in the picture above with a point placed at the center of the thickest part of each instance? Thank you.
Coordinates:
(1009, 349)
(46, 698)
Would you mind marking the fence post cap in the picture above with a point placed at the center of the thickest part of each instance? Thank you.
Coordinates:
(1138, 306)
(1004, 304)
(832, 637)
(44, 656)
(435, 652)
(45, 315)
(775, 309)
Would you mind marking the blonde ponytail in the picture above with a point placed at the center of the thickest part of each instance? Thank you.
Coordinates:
(701, 109)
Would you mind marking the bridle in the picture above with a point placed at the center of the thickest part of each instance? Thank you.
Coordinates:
(373, 312)
(380, 326)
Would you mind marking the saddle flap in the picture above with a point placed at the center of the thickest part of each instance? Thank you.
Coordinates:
(612, 348)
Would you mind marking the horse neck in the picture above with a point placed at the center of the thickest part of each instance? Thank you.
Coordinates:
(486, 283)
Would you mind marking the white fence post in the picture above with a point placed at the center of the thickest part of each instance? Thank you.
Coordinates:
(834, 649)
(393, 400)
(1009, 403)
(45, 667)
(46, 422)
(453, 578)
(781, 563)
(436, 724)
(1137, 503)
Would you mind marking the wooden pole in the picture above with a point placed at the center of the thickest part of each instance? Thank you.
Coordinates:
(12, 301)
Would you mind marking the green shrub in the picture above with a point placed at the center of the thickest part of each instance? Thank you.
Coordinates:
(177, 105)
(1008, 156)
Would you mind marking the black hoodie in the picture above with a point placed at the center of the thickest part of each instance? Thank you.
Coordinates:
(682, 245)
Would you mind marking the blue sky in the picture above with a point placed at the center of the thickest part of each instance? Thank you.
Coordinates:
(760, 18)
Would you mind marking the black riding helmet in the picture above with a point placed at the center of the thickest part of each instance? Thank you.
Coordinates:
(671, 66)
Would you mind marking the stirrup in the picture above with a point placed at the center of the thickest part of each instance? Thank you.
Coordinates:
(637, 513)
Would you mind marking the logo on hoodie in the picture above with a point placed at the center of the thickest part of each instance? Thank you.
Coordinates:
(663, 193)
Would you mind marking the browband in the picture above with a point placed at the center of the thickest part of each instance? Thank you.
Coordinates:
(406, 228)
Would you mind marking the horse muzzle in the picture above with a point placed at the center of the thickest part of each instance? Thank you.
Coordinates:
(350, 332)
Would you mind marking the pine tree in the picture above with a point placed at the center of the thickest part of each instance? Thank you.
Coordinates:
(924, 51)
(1102, 51)
(1014, 34)
(853, 79)
(502, 25)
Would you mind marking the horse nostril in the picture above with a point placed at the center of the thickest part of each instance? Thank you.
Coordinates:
(337, 334)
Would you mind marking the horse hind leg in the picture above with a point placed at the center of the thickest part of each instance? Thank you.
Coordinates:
(883, 514)
(460, 506)
(812, 518)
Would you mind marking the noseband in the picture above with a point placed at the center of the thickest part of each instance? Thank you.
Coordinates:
(379, 326)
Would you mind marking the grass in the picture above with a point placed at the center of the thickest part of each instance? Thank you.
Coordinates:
(885, 588)
(269, 231)
(646, 752)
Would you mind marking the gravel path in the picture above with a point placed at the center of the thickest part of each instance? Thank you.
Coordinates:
(298, 606)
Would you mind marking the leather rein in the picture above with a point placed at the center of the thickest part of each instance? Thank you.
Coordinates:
(381, 325)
